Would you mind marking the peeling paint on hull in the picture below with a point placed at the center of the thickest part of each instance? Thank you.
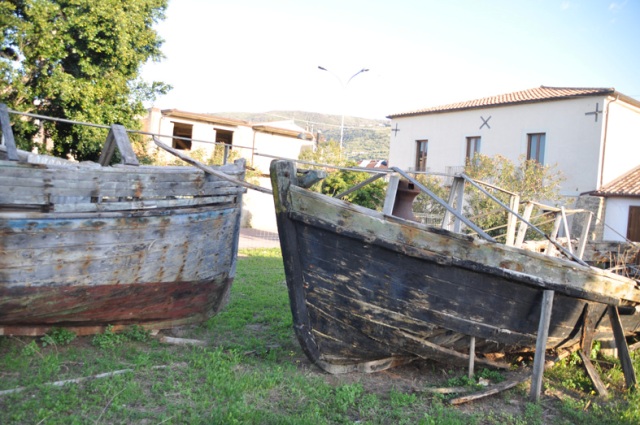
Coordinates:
(163, 258)
(368, 290)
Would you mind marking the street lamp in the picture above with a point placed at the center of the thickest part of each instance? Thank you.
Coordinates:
(344, 94)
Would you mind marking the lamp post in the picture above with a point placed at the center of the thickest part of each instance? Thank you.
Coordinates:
(344, 90)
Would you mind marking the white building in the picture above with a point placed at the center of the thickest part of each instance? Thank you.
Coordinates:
(276, 139)
(591, 134)
(622, 206)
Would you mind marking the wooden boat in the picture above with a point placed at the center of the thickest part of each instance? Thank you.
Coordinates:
(369, 290)
(85, 245)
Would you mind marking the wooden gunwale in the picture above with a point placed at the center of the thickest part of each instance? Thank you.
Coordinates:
(300, 213)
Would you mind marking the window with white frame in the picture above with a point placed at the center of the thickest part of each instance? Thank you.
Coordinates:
(473, 147)
(535, 146)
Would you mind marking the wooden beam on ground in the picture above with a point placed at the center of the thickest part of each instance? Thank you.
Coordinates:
(541, 344)
(519, 378)
(623, 348)
(593, 374)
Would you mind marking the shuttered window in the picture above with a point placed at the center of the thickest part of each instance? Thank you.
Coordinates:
(633, 226)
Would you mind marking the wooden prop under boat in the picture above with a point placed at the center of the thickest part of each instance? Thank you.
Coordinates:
(84, 245)
(369, 290)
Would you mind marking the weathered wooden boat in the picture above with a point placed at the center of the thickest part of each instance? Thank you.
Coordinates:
(369, 290)
(86, 245)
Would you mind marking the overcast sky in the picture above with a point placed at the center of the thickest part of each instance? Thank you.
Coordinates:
(262, 55)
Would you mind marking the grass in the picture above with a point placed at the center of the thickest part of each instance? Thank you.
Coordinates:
(252, 371)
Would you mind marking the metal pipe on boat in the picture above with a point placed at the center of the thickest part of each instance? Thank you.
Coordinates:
(555, 243)
(448, 207)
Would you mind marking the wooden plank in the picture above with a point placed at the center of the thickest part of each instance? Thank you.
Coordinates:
(495, 389)
(472, 355)
(143, 204)
(565, 225)
(414, 239)
(554, 235)
(456, 200)
(7, 133)
(512, 220)
(99, 185)
(119, 138)
(519, 378)
(478, 261)
(390, 197)
(522, 229)
(589, 320)
(623, 348)
(584, 236)
(541, 345)
(593, 374)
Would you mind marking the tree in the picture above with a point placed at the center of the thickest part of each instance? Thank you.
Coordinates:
(337, 181)
(529, 179)
(79, 60)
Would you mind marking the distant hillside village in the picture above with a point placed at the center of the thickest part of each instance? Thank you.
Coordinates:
(590, 134)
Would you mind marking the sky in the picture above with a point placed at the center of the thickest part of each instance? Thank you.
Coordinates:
(263, 55)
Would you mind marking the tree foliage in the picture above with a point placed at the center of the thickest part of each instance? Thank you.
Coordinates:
(528, 178)
(337, 181)
(79, 60)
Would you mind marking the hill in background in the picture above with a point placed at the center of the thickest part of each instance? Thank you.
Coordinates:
(363, 138)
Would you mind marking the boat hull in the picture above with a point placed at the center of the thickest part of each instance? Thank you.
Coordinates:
(85, 247)
(366, 287)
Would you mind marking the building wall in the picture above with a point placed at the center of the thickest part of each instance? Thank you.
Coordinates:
(622, 140)
(572, 138)
(258, 208)
(617, 218)
(275, 145)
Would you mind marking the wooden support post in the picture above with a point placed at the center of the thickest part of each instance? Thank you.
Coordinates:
(541, 344)
(584, 236)
(226, 154)
(390, 198)
(512, 220)
(554, 234)
(522, 229)
(565, 223)
(623, 348)
(472, 355)
(456, 197)
(7, 133)
(118, 137)
(593, 374)
(589, 320)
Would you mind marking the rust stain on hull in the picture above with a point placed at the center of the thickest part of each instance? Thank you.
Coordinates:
(153, 305)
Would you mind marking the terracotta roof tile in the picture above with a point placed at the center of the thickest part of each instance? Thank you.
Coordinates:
(627, 185)
(538, 94)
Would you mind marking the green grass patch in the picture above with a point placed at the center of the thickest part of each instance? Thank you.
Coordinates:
(251, 370)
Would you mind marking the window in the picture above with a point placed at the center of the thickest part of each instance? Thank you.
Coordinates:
(633, 225)
(535, 147)
(421, 155)
(473, 147)
(182, 130)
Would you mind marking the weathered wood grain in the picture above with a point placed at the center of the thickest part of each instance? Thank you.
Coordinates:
(365, 286)
(104, 246)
